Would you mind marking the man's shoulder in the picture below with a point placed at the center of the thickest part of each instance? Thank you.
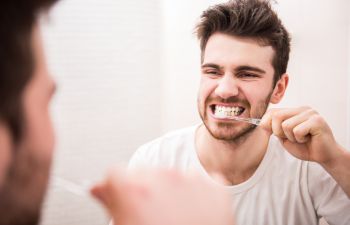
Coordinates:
(171, 139)
(166, 149)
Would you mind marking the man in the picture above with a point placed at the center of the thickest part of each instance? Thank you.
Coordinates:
(289, 169)
(27, 140)
(26, 134)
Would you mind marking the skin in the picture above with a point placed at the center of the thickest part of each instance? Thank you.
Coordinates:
(234, 150)
(226, 81)
(5, 145)
(141, 197)
(307, 136)
(135, 198)
(235, 72)
(25, 173)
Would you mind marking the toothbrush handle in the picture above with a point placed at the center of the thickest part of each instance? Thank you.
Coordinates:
(255, 121)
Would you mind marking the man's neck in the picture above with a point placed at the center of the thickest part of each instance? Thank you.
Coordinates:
(235, 162)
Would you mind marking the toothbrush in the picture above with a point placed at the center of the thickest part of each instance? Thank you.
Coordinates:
(254, 121)
(72, 187)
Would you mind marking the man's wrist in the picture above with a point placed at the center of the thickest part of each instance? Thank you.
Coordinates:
(339, 154)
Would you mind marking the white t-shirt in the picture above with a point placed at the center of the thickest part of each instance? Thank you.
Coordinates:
(283, 190)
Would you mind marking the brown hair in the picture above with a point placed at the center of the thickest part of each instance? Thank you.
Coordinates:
(249, 19)
(17, 19)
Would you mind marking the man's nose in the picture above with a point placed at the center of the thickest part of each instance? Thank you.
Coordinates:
(227, 87)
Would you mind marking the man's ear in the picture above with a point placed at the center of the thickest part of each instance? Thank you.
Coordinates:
(280, 88)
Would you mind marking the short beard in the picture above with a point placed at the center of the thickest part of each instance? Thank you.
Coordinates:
(23, 190)
(241, 135)
(234, 138)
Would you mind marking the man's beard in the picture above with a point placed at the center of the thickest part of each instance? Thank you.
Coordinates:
(23, 189)
(229, 131)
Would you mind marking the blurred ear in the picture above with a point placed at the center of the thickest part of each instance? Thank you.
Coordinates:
(5, 151)
(279, 89)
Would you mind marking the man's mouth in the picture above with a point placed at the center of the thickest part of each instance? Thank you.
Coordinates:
(226, 111)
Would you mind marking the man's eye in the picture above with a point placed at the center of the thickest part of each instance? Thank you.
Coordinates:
(247, 75)
(212, 72)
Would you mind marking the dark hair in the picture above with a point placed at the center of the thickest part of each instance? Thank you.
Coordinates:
(17, 19)
(251, 19)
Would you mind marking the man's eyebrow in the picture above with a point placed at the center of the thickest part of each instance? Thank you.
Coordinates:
(238, 69)
(211, 65)
(249, 68)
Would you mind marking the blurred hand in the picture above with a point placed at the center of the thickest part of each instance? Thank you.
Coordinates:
(159, 197)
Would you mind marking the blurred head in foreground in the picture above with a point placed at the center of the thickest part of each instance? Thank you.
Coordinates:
(26, 134)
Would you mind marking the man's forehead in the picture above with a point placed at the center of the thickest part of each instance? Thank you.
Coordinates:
(226, 49)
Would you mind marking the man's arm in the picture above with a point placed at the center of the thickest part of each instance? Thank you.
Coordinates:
(307, 136)
(339, 169)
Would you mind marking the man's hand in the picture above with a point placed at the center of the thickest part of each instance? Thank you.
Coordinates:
(158, 197)
(303, 132)
(307, 136)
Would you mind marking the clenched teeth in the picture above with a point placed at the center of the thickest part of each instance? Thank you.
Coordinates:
(223, 111)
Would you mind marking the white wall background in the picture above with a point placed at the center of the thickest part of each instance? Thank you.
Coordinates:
(128, 71)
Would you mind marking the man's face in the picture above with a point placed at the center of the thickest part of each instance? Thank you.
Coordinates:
(25, 181)
(236, 80)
